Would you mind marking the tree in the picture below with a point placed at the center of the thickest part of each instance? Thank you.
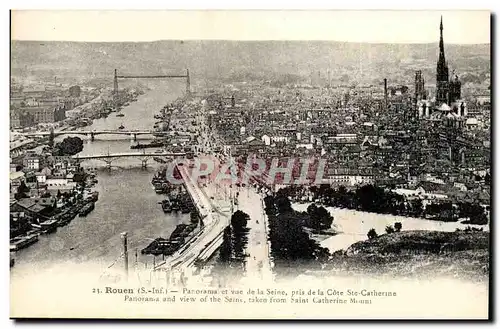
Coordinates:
(319, 217)
(69, 146)
(283, 204)
(398, 226)
(475, 212)
(239, 236)
(417, 207)
(372, 234)
(239, 220)
(225, 249)
(51, 138)
(389, 229)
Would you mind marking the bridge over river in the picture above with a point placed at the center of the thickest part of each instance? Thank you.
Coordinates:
(92, 133)
(144, 156)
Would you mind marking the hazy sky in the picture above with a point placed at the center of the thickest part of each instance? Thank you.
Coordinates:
(464, 27)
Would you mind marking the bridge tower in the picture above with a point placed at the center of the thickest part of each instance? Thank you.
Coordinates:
(115, 88)
(188, 83)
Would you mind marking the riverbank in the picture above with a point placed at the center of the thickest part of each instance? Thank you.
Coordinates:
(127, 203)
(57, 210)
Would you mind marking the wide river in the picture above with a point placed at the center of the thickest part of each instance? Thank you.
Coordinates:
(353, 226)
(127, 202)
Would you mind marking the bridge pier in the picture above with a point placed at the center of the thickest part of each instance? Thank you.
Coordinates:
(108, 163)
(133, 137)
(144, 163)
(92, 136)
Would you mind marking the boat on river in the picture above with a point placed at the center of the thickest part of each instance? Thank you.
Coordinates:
(148, 145)
(49, 226)
(162, 246)
(166, 206)
(120, 115)
(95, 196)
(21, 242)
(87, 209)
(159, 160)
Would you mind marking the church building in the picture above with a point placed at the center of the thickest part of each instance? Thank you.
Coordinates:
(448, 107)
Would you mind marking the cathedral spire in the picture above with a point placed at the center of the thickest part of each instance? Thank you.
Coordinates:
(442, 77)
(441, 42)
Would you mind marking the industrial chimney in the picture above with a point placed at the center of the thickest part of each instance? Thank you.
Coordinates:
(385, 92)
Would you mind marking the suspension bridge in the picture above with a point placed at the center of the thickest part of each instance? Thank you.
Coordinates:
(157, 76)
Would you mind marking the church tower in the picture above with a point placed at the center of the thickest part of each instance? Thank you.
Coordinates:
(442, 77)
(455, 91)
(419, 86)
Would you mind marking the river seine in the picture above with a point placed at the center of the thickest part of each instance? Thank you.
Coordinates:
(127, 202)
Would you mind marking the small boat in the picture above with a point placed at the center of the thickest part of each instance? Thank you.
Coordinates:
(120, 115)
(49, 226)
(63, 222)
(155, 143)
(159, 190)
(21, 242)
(175, 206)
(165, 205)
(159, 160)
(86, 209)
(95, 196)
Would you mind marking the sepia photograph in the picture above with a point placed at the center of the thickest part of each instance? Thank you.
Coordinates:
(250, 164)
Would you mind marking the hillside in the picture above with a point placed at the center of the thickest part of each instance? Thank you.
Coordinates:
(420, 254)
(235, 60)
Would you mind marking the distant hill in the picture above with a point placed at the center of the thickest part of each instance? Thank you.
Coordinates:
(230, 60)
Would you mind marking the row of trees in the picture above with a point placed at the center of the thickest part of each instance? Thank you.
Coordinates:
(234, 241)
(372, 234)
(290, 244)
(375, 199)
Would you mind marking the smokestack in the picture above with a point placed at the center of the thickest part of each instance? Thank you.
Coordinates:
(385, 92)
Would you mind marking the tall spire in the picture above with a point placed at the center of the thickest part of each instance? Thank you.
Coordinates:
(441, 42)
(442, 77)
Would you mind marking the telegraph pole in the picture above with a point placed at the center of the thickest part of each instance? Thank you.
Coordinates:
(125, 253)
